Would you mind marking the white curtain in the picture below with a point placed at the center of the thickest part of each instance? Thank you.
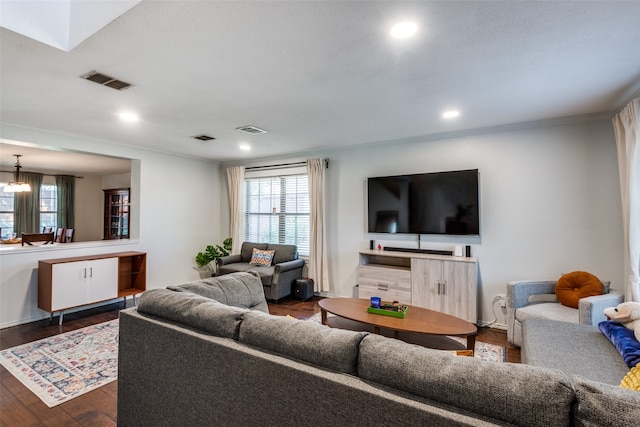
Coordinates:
(235, 177)
(626, 125)
(318, 267)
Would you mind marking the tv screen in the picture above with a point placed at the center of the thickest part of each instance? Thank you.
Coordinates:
(428, 203)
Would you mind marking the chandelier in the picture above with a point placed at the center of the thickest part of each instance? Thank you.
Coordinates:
(17, 186)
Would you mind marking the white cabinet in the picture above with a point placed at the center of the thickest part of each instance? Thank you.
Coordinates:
(72, 282)
(83, 282)
(442, 283)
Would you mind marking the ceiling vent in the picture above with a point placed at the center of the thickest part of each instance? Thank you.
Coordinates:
(105, 80)
(203, 137)
(252, 130)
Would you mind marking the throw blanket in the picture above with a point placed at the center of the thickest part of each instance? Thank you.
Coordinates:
(624, 341)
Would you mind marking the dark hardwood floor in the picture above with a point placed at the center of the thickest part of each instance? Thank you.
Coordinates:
(19, 407)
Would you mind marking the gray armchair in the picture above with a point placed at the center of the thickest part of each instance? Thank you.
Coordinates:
(277, 278)
(537, 299)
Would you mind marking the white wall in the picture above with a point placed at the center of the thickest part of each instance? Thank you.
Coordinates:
(174, 223)
(550, 204)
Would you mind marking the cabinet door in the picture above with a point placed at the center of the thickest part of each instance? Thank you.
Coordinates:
(68, 288)
(102, 279)
(426, 284)
(459, 294)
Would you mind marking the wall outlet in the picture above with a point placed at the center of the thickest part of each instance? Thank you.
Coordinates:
(502, 299)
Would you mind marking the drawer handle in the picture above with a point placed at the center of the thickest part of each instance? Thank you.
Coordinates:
(383, 288)
(383, 285)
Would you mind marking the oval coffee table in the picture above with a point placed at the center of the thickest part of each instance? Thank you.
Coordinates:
(421, 326)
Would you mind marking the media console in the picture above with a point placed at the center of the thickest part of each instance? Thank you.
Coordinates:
(444, 283)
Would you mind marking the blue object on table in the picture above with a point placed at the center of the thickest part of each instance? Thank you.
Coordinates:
(375, 302)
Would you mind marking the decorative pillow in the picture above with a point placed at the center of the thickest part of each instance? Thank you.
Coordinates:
(260, 257)
(632, 379)
(623, 340)
(578, 284)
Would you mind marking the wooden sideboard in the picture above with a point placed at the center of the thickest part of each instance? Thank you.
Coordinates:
(443, 283)
(66, 283)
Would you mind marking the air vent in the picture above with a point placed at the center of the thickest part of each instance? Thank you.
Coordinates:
(252, 130)
(203, 137)
(105, 80)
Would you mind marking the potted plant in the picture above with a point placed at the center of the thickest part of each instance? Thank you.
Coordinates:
(206, 260)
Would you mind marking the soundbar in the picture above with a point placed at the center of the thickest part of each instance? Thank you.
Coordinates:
(419, 251)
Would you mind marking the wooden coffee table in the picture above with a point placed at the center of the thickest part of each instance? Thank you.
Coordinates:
(421, 326)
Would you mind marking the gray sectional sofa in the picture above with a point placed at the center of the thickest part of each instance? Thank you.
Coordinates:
(277, 278)
(207, 353)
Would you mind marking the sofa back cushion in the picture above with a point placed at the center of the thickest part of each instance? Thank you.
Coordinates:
(309, 341)
(513, 393)
(283, 253)
(602, 404)
(192, 310)
(246, 251)
(242, 289)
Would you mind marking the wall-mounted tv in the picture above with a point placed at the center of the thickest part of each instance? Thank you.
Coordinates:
(426, 203)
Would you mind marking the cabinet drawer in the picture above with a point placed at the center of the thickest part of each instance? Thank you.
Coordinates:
(386, 294)
(395, 277)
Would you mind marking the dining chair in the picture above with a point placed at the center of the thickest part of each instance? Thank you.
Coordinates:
(47, 229)
(59, 235)
(68, 235)
(30, 238)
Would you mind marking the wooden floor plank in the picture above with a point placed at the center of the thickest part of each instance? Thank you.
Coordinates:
(19, 407)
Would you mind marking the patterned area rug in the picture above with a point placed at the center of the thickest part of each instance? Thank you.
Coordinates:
(483, 350)
(65, 366)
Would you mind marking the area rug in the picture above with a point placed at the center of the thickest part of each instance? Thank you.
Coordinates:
(483, 350)
(61, 367)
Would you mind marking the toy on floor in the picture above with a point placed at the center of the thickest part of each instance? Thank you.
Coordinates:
(627, 314)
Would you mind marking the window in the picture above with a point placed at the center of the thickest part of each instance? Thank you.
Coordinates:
(277, 210)
(48, 206)
(6, 211)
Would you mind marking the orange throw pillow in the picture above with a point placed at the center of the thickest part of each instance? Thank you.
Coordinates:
(575, 285)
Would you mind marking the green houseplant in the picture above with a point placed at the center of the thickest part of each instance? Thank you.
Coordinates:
(206, 259)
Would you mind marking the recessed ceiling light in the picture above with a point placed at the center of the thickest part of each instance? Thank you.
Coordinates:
(245, 147)
(450, 114)
(402, 30)
(128, 116)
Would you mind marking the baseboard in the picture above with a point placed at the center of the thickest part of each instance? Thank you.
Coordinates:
(493, 325)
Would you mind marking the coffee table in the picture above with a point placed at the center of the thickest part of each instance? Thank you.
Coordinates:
(421, 326)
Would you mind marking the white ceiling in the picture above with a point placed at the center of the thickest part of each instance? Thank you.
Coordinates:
(324, 74)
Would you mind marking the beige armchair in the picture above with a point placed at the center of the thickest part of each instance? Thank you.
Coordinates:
(537, 299)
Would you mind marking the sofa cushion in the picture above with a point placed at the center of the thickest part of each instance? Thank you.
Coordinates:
(311, 342)
(192, 310)
(283, 252)
(265, 273)
(241, 289)
(575, 285)
(261, 257)
(247, 250)
(605, 405)
(513, 393)
(573, 348)
(548, 310)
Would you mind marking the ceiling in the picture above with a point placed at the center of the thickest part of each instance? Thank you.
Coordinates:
(323, 74)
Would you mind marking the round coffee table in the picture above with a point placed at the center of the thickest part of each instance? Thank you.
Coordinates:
(421, 326)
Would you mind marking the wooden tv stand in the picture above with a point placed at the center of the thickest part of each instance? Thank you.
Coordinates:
(443, 283)
(66, 283)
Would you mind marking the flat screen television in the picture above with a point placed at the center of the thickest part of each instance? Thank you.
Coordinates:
(426, 203)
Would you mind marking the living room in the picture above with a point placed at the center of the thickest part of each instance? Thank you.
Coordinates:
(549, 183)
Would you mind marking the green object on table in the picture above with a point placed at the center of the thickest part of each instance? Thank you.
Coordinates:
(393, 313)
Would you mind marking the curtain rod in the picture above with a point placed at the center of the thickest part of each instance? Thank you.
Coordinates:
(284, 165)
(43, 174)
